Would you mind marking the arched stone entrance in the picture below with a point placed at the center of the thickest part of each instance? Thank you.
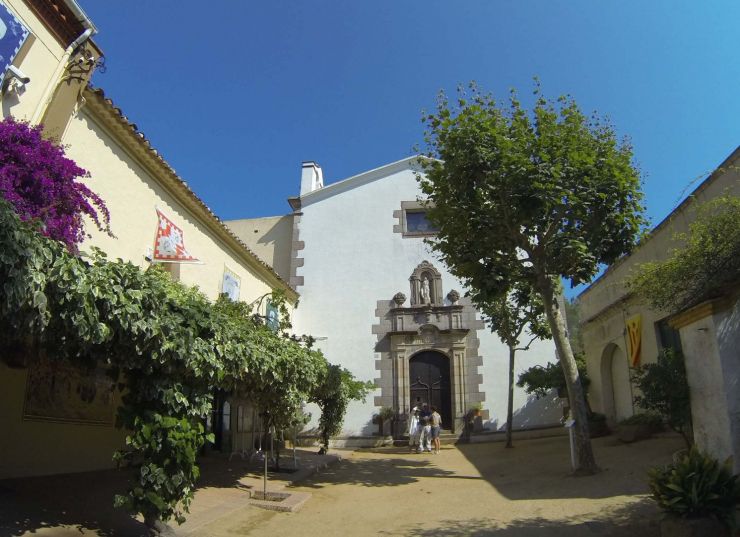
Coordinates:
(429, 382)
(433, 327)
(615, 384)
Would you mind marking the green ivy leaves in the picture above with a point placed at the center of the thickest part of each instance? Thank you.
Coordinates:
(167, 344)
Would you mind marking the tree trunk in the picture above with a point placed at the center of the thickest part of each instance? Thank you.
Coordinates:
(585, 462)
(510, 407)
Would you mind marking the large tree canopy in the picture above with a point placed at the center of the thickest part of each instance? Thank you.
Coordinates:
(531, 196)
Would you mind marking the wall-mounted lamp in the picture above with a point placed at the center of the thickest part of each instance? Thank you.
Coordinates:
(15, 80)
(20, 75)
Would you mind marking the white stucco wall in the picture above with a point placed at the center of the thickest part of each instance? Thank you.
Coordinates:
(710, 345)
(353, 258)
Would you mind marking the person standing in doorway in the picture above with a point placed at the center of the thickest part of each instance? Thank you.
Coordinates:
(436, 426)
(414, 428)
(425, 417)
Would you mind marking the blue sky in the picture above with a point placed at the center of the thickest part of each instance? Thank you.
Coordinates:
(237, 94)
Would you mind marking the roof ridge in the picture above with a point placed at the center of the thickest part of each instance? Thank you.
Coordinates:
(146, 143)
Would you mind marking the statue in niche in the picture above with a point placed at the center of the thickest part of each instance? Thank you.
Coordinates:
(425, 294)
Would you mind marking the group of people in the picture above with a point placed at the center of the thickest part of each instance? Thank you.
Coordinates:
(424, 426)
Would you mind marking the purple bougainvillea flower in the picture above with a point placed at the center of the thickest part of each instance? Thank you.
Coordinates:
(41, 183)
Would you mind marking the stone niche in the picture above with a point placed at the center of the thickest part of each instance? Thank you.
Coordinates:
(428, 323)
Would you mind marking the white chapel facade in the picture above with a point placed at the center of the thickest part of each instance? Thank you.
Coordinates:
(382, 305)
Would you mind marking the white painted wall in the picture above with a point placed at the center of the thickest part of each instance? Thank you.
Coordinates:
(353, 258)
(710, 346)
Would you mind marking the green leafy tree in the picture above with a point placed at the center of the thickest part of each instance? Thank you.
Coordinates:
(708, 261)
(532, 196)
(337, 387)
(664, 389)
(511, 316)
(540, 380)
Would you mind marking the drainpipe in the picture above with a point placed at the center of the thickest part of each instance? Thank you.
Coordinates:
(90, 30)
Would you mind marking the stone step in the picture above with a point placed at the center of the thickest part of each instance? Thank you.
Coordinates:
(445, 437)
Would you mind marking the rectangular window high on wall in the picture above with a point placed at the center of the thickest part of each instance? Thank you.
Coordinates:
(668, 337)
(417, 222)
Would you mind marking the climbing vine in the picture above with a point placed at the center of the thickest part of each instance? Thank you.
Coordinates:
(166, 345)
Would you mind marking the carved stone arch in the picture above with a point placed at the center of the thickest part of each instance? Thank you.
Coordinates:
(426, 271)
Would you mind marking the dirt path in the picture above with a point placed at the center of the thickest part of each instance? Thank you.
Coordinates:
(479, 489)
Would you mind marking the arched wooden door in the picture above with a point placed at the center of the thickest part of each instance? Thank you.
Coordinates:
(429, 379)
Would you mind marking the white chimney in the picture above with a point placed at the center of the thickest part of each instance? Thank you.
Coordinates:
(312, 177)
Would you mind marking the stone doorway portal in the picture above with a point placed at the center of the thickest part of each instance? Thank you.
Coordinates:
(428, 349)
(429, 382)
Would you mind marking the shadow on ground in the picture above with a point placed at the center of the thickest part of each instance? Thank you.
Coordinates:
(639, 519)
(78, 501)
(75, 504)
(546, 462)
(386, 472)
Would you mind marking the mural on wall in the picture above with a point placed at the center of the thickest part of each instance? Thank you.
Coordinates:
(57, 391)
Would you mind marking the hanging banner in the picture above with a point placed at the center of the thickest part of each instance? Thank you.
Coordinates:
(12, 36)
(634, 339)
(230, 285)
(273, 317)
(169, 246)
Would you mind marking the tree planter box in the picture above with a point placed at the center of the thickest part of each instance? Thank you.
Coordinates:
(633, 433)
(672, 526)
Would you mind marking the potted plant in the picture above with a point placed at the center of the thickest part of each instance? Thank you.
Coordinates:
(385, 414)
(698, 494)
(474, 418)
(639, 426)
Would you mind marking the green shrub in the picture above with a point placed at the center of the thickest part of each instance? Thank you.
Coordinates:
(665, 391)
(652, 420)
(539, 380)
(696, 486)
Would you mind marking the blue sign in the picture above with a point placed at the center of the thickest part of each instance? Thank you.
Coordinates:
(12, 36)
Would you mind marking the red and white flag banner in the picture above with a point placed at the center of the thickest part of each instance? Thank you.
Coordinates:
(169, 246)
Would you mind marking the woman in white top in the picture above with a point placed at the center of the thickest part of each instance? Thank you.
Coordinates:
(414, 428)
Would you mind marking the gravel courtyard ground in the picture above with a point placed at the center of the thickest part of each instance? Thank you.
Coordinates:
(475, 489)
(471, 489)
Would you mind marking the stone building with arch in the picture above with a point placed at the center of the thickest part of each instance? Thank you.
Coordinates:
(615, 324)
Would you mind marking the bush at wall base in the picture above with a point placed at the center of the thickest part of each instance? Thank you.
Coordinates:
(698, 494)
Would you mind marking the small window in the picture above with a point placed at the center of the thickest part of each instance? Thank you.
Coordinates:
(668, 336)
(417, 223)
